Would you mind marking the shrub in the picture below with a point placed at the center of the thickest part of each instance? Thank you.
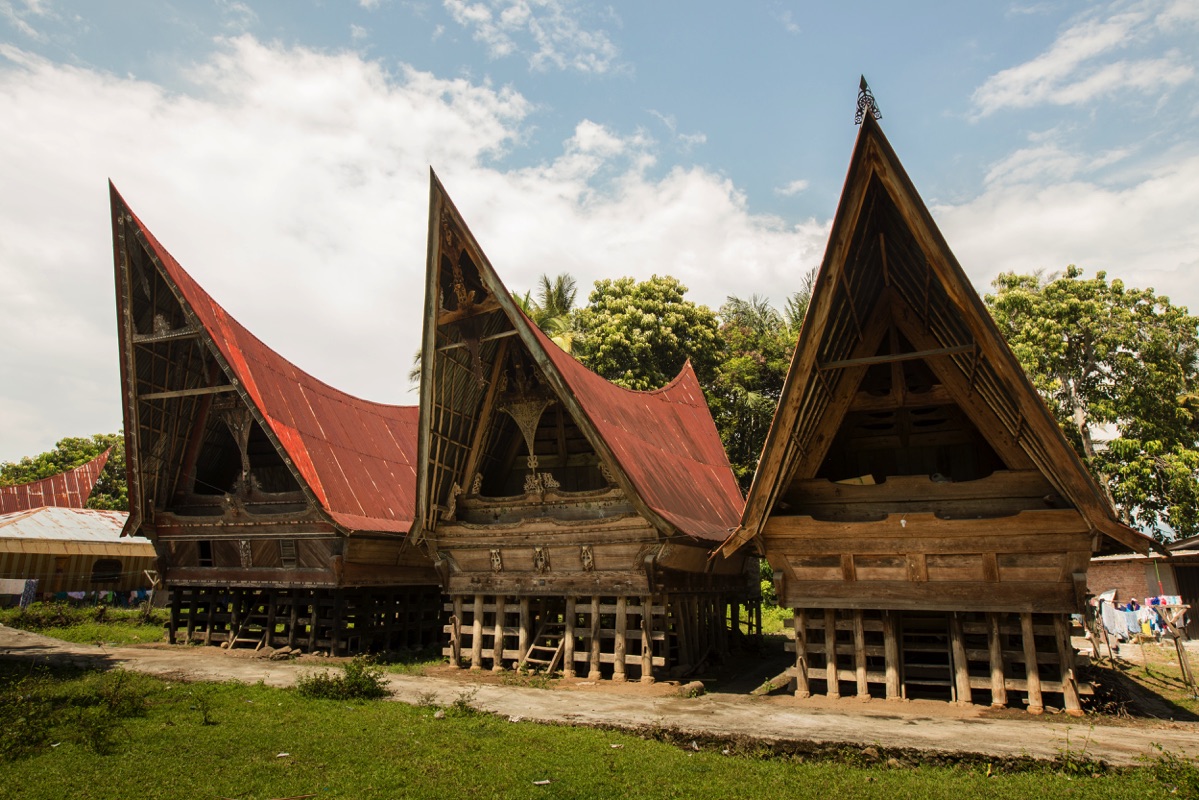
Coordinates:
(360, 679)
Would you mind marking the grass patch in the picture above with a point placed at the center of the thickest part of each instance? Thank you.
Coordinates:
(89, 624)
(360, 679)
(172, 740)
(774, 618)
(412, 662)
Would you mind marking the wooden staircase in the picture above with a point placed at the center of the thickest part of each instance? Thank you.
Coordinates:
(926, 653)
(545, 653)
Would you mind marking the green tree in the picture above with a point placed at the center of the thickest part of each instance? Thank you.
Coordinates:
(639, 334)
(553, 308)
(1118, 367)
(757, 346)
(111, 490)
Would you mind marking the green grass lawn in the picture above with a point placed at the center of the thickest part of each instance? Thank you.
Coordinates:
(88, 624)
(119, 735)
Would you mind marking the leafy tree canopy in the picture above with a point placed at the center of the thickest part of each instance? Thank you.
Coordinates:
(639, 334)
(111, 491)
(1118, 367)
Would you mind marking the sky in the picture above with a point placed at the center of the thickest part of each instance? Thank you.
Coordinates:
(281, 152)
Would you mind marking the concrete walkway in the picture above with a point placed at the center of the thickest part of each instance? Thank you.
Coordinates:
(928, 726)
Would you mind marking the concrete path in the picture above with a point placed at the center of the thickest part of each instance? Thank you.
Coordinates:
(928, 726)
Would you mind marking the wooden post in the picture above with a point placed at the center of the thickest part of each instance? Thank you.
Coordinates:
(722, 624)
(622, 629)
(1035, 704)
(961, 666)
(594, 664)
(1065, 657)
(891, 656)
(757, 610)
(192, 613)
(315, 621)
(176, 607)
(476, 634)
(456, 634)
(292, 619)
(338, 622)
(270, 616)
(497, 644)
(525, 622)
(647, 639)
(568, 644)
(830, 652)
(802, 687)
(211, 616)
(859, 655)
(998, 678)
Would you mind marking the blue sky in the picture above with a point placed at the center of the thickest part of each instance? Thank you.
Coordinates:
(280, 151)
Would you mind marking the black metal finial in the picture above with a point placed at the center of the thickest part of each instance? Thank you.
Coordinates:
(866, 104)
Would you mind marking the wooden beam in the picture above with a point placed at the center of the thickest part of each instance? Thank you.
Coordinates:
(594, 643)
(483, 420)
(647, 639)
(1065, 660)
(961, 665)
(830, 653)
(166, 336)
(802, 686)
(186, 392)
(891, 656)
(568, 643)
(998, 683)
(1031, 673)
(492, 338)
(859, 655)
(892, 358)
(456, 633)
(524, 642)
(497, 644)
(622, 629)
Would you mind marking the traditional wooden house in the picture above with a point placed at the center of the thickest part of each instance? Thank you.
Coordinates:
(573, 520)
(280, 507)
(923, 513)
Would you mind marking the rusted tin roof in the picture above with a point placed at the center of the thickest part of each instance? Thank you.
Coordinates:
(357, 457)
(68, 525)
(665, 441)
(68, 489)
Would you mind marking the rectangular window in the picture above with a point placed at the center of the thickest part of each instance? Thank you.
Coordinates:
(205, 548)
(287, 553)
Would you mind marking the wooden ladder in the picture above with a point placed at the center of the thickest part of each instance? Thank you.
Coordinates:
(926, 652)
(546, 650)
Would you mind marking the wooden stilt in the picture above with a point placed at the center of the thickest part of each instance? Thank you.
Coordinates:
(722, 625)
(1065, 657)
(859, 655)
(802, 687)
(891, 656)
(335, 643)
(618, 647)
(456, 633)
(647, 639)
(1035, 703)
(497, 644)
(292, 619)
(314, 620)
(192, 613)
(830, 652)
(526, 621)
(568, 643)
(678, 610)
(995, 642)
(476, 634)
(176, 607)
(594, 663)
(757, 609)
(961, 666)
(271, 610)
(210, 619)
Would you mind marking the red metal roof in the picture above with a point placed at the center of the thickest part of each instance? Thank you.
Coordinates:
(665, 441)
(68, 489)
(357, 457)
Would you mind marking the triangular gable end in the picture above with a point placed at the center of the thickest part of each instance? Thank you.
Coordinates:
(900, 370)
(489, 390)
(193, 434)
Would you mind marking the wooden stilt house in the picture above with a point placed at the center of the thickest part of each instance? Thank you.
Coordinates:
(573, 520)
(280, 507)
(923, 513)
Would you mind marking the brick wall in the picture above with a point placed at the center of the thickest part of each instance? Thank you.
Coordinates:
(1130, 578)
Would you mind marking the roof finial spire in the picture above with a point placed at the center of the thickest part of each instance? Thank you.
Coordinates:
(866, 103)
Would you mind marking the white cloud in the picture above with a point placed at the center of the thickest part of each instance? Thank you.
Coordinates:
(238, 16)
(788, 22)
(1143, 231)
(793, 188)
(1081, 64)
(358, 33)
(19, 17)
(546, 32)
(293, 185)
(369, 5)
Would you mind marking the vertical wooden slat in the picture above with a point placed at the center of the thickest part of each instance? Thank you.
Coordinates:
(995, 642)
(1035, 704)
(618, 647)
(1065, 657)
(647, 640)
(271, 611)
(497, 644)
(830, 652)
(568, 645)
(802, 687)
(292, 618)
(314, 621)
(859, 655)
(456, 633)
(961, 667)
(523, 642)
(594, 664)
(476, 634)
(891, 656)
(176, 605)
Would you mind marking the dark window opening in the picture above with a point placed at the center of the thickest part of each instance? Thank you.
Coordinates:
(106, 570)
(204, 548)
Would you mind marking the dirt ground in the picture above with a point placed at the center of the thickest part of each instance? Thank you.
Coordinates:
(933, 727)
